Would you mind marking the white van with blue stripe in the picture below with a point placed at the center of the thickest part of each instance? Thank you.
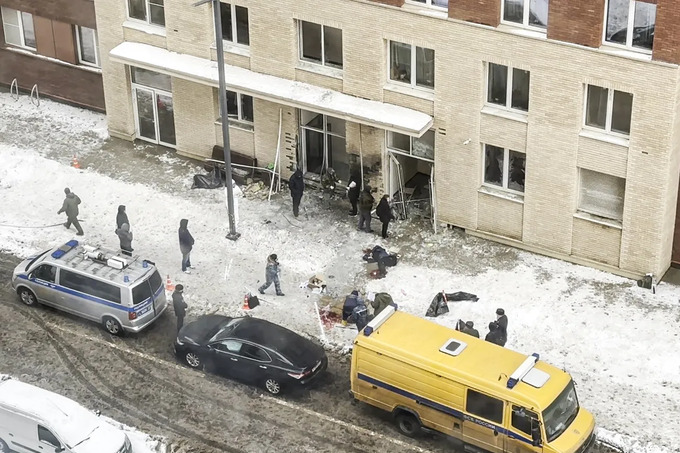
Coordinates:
(122, 293)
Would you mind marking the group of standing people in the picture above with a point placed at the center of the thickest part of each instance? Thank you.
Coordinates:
(498, 329)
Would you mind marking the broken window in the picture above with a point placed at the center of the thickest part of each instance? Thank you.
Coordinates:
(321, 44)
(508, 87)
(422, 147)
(240, 109)
(631, 23)
(504, 168)
(235, 24)
(532, 13)
(404, 58)
(601, 194)
(609, 110)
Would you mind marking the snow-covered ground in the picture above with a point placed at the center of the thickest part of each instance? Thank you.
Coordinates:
(620, 342)
(141, 443)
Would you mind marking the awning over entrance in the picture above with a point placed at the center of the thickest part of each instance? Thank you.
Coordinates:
(276, 89)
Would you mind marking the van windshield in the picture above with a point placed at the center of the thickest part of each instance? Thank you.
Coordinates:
(30, 263)
(559, 415)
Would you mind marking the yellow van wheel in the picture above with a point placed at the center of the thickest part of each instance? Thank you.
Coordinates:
(407, 424)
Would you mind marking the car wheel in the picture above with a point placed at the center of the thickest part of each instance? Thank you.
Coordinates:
(27, 297)
(112, 326)
(193, 360)
(3, 447)
(407, 424)
(272, 385)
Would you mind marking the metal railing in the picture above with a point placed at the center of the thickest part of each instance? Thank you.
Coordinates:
(35, 100)
(14, 90)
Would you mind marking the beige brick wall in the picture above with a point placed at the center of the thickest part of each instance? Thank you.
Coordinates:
(241, 141)
(500, 216)
(320, 80)
(504, 132)
(194, 108)
(596, 242)
(602, 157)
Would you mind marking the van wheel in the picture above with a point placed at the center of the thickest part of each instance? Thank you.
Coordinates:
(408, 424)
(28, 298)
(112, 326)
(3, 447)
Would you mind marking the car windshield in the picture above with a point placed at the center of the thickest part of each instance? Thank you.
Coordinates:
(223, 330)
(559, 415)
(30, 263)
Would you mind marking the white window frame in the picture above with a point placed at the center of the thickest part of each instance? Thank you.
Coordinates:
(429, 4)
(147, 7)
(21, 27)
(409, 152)
(610, 113)
(97, 63)
(629, 29)
(506, 170)
(596, 212)
(234, 26)
(526, 12)
(323, 47)
(508, 89)
(239, 121)
(414, 76)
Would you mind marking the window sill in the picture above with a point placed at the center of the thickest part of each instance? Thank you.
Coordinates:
(604, 137)
(335, 73)
(426, 10)
(523, 30)
(31, 53)
(502, 193)
(410, 91)
(641, 54)
(230, 47)
(513, 115)
(246, 127)
(599, 220)
(145, 27)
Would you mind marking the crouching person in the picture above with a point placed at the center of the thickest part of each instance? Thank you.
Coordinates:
(351, 302)
(360, 316)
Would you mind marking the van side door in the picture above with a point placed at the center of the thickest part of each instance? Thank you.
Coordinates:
(483, 422)
(524, 431)
(47, 441)
(89, 297)
(43, 279)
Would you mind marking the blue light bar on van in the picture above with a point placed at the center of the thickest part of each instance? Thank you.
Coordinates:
(380, 319)
(522, 370)
(61, 251)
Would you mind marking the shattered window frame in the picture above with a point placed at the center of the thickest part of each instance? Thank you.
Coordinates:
(420, 148)
(601, 194)
(240, 110)
(509, 173)
(639, 18)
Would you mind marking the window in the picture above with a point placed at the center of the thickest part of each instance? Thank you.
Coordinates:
(141, 292)
(323, 143)
(46, 273)
(504, 168)
(232, 346)
(238, 27)
(631, 23)
(253, 352)
(151, 79)
(601, 195)
(508, 87)
(18, 28)
(484, 406)
(531, 13)
(405, 58)
(240, 108)
(88, 51)
(321, 44)
(438, 3)
(150, 11)
(418, 147)
(522, 419)
(45, 435)
(609, 110)
(89, 286)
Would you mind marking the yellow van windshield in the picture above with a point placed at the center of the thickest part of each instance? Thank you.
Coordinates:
(559, 415)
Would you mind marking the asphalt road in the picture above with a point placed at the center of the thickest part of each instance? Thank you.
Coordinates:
(137, 381)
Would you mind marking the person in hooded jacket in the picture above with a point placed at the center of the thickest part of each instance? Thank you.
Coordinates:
(271, 274)
(359, 316)
(186, 243)
(469, 328)
(70, 207)
(366, 201)
(384, 213)
(121, 217)
(179, 305)
(494, 335)
(353, 190)
(125, 238)
(297, 187)
(502, 321)
(381, 302)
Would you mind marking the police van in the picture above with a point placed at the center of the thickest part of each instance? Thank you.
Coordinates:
(487, 398)
(122, 293)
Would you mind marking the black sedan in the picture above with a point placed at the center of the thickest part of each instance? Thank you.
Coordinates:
(250, 350)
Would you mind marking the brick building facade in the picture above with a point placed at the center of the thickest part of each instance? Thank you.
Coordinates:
(550, 125)
(52, 45)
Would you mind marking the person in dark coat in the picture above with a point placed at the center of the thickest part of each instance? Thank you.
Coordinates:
(179, 305)
(469, 328)
(353, 190)
(125, 238)
(351, 301)
(359, 316)
(271, 274)
(366, 201)
(121, 217)
(186, 243)
(502, 321)
(70, 207)
(384, 213)
(297, 187)
(494, 335)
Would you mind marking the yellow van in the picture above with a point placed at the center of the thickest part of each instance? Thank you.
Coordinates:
(486, 397)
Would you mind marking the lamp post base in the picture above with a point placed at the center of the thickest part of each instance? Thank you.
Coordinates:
(233, 236)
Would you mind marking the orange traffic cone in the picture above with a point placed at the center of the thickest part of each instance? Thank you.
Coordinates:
(169, 286)
(246, 305)
(74, 162)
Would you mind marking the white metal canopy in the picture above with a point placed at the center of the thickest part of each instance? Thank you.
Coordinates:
(275, 89)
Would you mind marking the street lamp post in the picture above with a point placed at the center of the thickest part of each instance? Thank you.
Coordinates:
(222, 88)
